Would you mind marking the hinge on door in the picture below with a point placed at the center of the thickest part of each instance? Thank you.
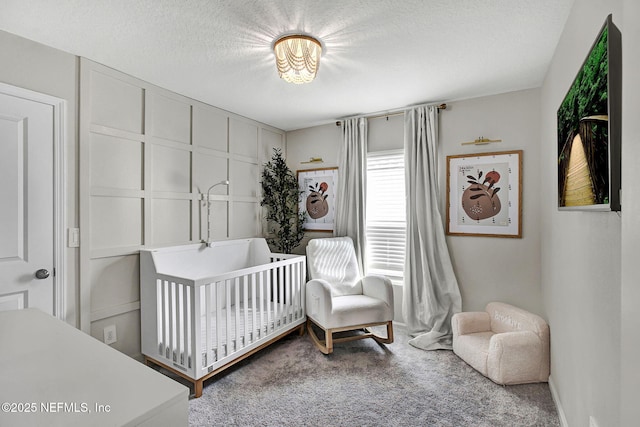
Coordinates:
(54, 272)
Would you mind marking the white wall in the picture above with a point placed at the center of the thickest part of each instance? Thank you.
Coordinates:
(630, 293)
(581, 251)
(317, 142)
(491, 268)
(488, 269)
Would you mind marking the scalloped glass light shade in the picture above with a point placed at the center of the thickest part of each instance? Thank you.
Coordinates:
(297, 58)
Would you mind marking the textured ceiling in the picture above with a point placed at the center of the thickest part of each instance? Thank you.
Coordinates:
(379, 55)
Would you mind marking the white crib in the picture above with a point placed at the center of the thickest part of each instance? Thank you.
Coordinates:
(204, 309)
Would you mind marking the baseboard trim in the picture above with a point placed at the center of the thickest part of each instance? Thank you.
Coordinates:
(556, 400)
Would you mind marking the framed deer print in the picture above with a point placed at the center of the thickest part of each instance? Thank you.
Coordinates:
(484, 194)
(318, 190)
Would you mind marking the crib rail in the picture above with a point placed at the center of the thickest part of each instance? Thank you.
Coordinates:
(204, 323)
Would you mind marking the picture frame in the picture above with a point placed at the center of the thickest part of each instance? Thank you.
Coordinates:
(318, 201)
(484, 194)
(590, 129)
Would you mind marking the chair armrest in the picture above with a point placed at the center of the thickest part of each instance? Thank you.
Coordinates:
(516, 357)
(512, 341)
(470, 322)
(379, 287)
(319, 303)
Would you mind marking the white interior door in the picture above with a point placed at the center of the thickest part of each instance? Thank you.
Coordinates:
(26, 204)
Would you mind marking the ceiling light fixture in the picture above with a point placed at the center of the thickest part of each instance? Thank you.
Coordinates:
(297, 58)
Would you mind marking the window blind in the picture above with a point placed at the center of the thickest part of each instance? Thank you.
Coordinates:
(386, 219)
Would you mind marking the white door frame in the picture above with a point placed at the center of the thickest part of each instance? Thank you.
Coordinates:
(59, 188)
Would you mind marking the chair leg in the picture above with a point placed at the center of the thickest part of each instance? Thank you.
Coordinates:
(328, 339)
(325, 347)
(389, 338)
(390, 331)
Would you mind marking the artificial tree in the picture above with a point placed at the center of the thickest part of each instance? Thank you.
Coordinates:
(281, 195)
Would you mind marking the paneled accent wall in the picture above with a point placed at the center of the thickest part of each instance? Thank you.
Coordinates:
(147, 158)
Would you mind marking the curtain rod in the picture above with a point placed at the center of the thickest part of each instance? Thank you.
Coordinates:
(391, 114)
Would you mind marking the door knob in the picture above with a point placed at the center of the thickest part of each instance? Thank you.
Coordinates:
(42, 274)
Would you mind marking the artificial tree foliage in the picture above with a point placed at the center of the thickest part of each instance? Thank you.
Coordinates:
(281, 195)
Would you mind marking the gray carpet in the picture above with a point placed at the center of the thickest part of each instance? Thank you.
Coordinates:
(362, 383)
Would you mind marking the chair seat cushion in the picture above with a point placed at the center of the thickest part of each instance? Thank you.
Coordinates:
(357, 310)
(474, 349)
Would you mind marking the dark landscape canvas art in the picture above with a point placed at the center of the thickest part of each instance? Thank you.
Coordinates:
(588, 130)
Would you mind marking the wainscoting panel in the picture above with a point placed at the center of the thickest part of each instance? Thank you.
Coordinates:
(115, 162)
(168, 118)
(147, 158)
(219, 220)
(116, 222)
(243, 176)
(210, 128)
(269, 141)
(171, 221)
(210, 167)
(170, 169)
(243, 138)
(114, 281)
(114, 102)
(244, 219)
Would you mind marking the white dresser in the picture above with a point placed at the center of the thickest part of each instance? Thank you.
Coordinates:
(52, 374)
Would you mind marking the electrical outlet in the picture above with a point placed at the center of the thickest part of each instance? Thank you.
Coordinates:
(110, 334)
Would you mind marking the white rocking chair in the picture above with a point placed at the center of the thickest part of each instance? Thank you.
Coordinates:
(338, 299)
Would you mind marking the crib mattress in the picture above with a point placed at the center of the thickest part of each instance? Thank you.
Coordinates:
(239, 331)
(265, 322)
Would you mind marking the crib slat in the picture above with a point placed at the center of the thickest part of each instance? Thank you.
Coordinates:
(219, 292)
(274, 299)
(262, 300)
(245, 309)
(189, 316)
(300, 278)
(159, 316)
(228, 317)
(206, 306)
(172, 320)
(236, 309)
(294, 294)
(253, 336)
(269, 301)
(167, 317)
(173, 310)
(281, 295)
(178, 322)
(283, 300)
(197, 294)
(289, 285)
(184, 319)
